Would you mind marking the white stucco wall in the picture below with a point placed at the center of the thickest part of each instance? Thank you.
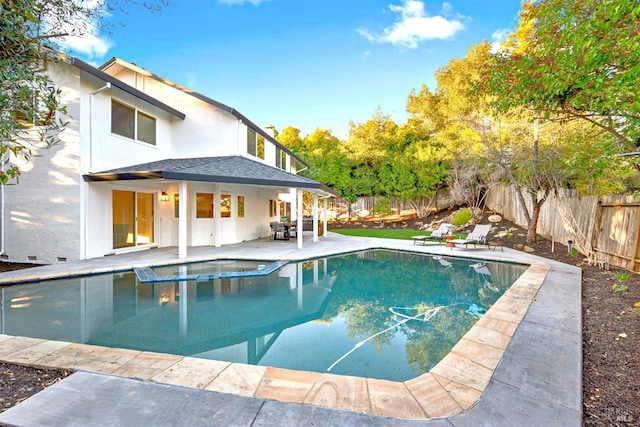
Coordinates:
(42, 221)
(53, 215)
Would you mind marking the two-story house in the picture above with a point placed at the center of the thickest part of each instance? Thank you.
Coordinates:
(142, 163)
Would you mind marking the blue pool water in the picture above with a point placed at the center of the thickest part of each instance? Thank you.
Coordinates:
(379, 314)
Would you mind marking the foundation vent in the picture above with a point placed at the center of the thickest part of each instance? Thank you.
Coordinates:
(32, 258)
(62, 259)
(4, 256)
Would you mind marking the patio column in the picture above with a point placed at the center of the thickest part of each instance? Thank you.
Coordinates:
(315, 216)
(182, 220)
(324, 216)
(299, 218)
(293, 210)
(217, 219)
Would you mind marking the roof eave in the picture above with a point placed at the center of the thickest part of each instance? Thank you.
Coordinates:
(126, 88)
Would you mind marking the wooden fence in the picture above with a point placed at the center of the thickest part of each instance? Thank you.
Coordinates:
(605, 229)
(364, 206)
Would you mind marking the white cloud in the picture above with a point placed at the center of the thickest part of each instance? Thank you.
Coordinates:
(241, 2)
(416, 25)
(498, 37)
(83, 27)
(90, 45)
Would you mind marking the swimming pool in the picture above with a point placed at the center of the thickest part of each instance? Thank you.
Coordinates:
(360, 314)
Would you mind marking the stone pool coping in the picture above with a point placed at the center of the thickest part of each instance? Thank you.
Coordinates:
(454, 385)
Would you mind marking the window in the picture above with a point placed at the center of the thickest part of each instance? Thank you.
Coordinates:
(240, 206)
(176, 206)
(283, 160)
(146, 128)
(260, 148)
(125, 121)
(225, 206)
(204, 205)
(278, 157)
(122, 120)
(273, 207)
(255, 144)
(251, 141)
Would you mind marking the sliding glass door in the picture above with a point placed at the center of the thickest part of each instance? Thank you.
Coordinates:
(132, 218)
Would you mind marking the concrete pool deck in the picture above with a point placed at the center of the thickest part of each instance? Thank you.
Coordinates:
(521, 364)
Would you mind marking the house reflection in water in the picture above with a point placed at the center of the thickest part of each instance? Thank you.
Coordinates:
(234, 319)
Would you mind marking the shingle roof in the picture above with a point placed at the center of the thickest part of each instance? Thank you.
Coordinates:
(226, 169)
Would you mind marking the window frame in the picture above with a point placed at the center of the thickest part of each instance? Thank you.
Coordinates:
(255, 143)
(136, 115)
(225, 200)
(203, 195)
(240, 206)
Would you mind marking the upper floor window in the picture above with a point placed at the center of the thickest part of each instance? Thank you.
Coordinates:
(255, 143)
(131, 123)
(283, 160)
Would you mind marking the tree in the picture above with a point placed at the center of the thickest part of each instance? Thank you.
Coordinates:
(30, 106)
(574, 59)
(484, 145)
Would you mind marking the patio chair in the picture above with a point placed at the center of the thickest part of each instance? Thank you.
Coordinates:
(478, 236)
(279, 232)
(438, 235)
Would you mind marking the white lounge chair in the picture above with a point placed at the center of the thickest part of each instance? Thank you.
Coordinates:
(443, 230)
(478, 236)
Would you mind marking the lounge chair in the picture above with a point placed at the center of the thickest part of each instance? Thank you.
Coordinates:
(478, 236)
(438, 234)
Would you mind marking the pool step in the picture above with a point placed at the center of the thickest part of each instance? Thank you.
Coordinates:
(147, 275)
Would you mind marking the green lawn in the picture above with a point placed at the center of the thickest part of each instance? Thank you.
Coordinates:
(384, 233)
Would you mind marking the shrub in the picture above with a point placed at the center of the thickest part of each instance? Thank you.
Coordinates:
(462, 217)
(382, 207)
(622, 276)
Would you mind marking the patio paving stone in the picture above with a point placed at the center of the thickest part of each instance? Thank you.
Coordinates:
(391, 398)
(89, 357)
(286, 385)
(341, 392)
(30, 355)
(146, 365)
(191, 372)
(434, 399)
(239, 379)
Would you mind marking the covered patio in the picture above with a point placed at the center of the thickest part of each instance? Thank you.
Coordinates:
(184, 175)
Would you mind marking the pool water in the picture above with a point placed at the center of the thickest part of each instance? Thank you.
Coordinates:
(380, 314)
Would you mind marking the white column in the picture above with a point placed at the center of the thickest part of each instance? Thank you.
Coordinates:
(299, 216)
(217, 219)
(324, 217)
(182, 220)
(315, 216)
(293, 214)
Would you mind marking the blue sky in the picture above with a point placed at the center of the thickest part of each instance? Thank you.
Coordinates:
(302, 63)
